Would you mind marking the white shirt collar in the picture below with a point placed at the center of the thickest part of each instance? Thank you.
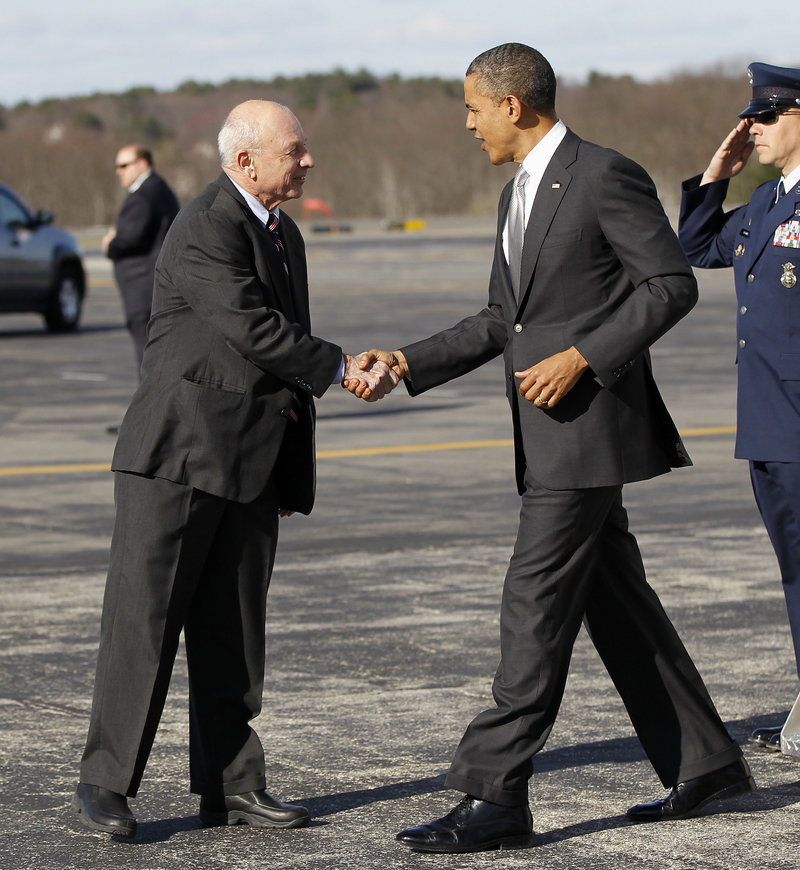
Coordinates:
(140, 180)
(791, 181)
(535, 164)
(258, 208)
(537, 159)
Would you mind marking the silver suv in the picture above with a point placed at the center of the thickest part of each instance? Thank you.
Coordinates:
(40, 265)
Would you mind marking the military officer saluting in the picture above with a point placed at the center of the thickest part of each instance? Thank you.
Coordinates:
(761, 240)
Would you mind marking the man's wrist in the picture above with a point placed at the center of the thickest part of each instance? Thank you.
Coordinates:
(340, 373)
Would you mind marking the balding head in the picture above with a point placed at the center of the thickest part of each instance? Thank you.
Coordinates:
(262, 147)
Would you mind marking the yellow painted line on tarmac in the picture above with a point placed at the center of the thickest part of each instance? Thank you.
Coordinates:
(708, 430)
(345, 453)
(412, 448)
(53, 469)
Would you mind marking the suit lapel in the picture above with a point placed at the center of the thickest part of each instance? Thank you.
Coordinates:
(277, 277)
(553, 186)
(297, 280)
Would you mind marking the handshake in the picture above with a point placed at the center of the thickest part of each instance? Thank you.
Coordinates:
(374, 373)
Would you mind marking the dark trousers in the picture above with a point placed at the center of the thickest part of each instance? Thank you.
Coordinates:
(182, 559)
(574, 561)
(776, 486)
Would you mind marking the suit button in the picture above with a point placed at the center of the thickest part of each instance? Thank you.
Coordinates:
(751, 278)
(742, 343)
(517, 327)
(743, 310)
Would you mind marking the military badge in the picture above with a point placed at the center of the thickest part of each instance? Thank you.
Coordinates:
(739, 251)
(788, 279)
(787, 235)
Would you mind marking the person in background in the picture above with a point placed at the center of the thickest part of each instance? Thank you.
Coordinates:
(761, 240)
(134, 243)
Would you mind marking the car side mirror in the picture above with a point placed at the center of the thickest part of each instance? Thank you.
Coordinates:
(43, 217)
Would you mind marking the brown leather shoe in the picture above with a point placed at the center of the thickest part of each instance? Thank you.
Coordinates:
(256, 808)
(103, 810)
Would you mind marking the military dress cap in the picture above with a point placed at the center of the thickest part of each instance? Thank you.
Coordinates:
(774, 88)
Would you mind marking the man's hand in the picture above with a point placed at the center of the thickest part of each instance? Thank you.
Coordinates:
(546, 383)
(108, 238)
(394, 359)
(369, 382)
(732, 155)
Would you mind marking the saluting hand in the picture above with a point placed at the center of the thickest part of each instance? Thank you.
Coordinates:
(732, 155)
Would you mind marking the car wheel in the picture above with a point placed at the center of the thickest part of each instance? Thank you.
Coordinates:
(64, 308)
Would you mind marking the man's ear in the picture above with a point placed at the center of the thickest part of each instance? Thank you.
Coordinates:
(244, 163)
(514, 108)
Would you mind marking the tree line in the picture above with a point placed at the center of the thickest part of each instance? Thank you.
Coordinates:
(387, 147)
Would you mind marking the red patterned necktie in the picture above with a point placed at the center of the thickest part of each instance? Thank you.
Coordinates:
(272, 229)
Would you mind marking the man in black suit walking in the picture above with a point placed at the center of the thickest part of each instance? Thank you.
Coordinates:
(587, 275)
(136, 240)
(217, 444)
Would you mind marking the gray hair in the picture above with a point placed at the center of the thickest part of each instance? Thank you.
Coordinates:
(244, 129)
(514, 68)
(239, 132)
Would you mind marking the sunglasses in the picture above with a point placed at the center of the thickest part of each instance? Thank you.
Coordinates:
(770, 116)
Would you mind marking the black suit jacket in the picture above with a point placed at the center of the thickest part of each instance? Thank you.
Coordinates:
(142, 225)
(602, 270)
(229, 357)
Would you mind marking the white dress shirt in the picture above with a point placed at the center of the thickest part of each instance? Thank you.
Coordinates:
(791, 180)
(535, 164)
(140, 180)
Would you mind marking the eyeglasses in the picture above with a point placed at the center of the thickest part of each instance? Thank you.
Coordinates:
(771, 116)
(126, 165)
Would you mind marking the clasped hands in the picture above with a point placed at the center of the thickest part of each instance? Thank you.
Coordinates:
(375, 373)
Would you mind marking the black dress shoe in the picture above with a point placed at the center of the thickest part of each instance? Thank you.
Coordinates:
(688, 797)
(103, 810)
(762, 736)
(257, 808)
(473, 826)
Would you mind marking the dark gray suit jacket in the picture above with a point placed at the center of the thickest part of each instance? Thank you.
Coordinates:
(229, 357)
(142, 225)
(602, 270)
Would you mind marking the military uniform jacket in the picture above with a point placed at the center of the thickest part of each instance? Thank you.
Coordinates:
(760, 240)
(601, 270)
(230, 359)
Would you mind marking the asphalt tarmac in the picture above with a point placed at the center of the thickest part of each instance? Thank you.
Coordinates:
(383, 612)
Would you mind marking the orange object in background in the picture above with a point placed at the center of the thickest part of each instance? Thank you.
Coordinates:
(316, 205)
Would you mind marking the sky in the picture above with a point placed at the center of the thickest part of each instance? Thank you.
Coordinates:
(55, 48)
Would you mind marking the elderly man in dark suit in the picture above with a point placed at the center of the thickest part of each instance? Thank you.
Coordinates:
(135, 242)
(761, 240)
(587, 275)
(217, 443)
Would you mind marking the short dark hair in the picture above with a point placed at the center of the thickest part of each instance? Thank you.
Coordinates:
(514, 68)
(143, 153)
